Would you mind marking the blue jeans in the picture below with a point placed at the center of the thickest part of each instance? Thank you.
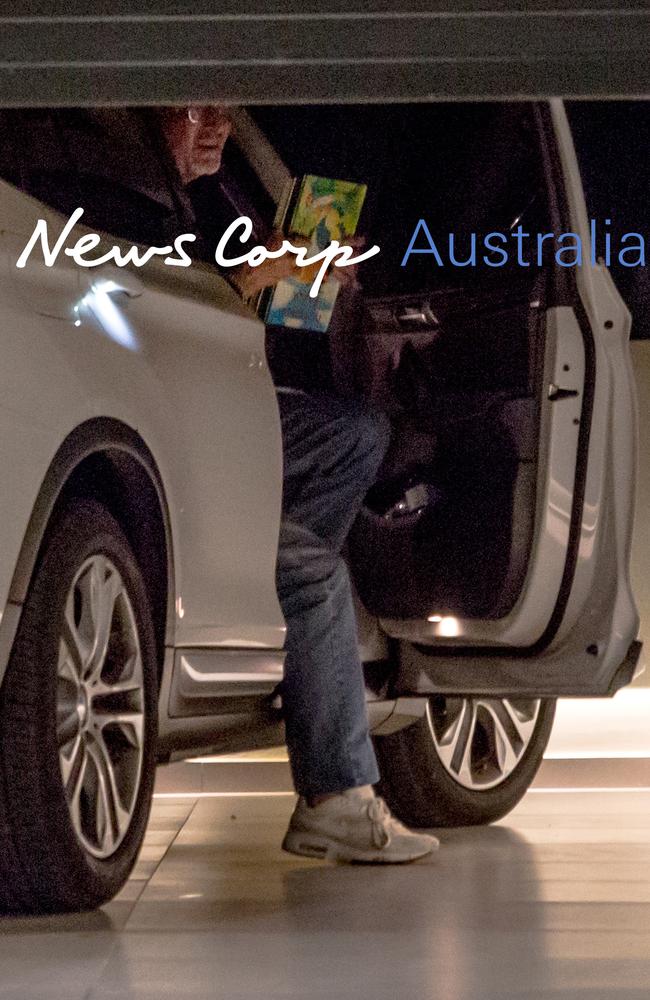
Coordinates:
(332, 451)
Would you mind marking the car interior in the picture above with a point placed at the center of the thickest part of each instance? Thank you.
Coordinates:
(453, 354)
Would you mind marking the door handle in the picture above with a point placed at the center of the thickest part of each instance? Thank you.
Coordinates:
(114, 280)
(110, 315)
(417, 316)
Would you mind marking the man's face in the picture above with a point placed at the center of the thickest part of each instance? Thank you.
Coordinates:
(196, 137)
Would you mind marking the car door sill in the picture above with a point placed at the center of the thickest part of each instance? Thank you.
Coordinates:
(203, 678)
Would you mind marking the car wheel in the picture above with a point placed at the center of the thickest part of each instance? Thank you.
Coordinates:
(77, 721)
(466, 761)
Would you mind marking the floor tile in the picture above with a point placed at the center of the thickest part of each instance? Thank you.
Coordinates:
(551, 903)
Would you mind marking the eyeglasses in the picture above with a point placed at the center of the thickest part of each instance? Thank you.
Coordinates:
(208, 114)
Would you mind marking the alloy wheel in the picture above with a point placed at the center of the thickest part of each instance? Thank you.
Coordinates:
(480, 741)
(100, 707)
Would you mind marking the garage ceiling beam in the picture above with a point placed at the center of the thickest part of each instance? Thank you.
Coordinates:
(246, 51)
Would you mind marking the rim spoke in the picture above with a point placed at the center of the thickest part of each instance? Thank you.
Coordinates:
(72, 762)
(111, 816)
(67, 728)
(130, 681)
(74, 802)
(100, 722)
(66, 669)
(522, 723)
(455, 744)
(131, 724)
(78, 652)
(480, 741)
(105, 821)
(507, 744)
(462, 759)
(104, 587)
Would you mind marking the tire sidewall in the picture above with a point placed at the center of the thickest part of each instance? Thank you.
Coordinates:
(83, 529)
(421, 791)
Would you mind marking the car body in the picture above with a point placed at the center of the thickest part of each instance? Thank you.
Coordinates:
(147, 391)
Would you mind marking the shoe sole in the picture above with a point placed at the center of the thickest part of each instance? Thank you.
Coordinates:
(312, 846)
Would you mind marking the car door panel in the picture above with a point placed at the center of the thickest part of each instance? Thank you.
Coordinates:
(580, 533)
(526, 622)
(590, 647)
(194, 384)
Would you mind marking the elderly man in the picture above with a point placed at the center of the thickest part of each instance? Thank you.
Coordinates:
(332, 451)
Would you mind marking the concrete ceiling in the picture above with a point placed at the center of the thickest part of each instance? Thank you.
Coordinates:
(247, 51)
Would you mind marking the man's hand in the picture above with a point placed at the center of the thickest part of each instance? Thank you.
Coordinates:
(251, 280)
(349, 276)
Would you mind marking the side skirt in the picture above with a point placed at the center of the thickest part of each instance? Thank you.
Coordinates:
(225, 700)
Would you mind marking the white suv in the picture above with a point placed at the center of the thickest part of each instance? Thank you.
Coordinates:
(142, 477)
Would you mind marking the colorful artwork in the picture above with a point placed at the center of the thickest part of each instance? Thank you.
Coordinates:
(292, 306)
(325, 210)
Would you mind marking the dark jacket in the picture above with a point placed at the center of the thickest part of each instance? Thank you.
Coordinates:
(113, 163)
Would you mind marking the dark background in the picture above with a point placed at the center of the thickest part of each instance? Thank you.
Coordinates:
(612, 141)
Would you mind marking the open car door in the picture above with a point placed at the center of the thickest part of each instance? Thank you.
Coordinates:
(509, 390)
(580, 636)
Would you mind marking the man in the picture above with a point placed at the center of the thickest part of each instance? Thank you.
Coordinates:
(332, 451)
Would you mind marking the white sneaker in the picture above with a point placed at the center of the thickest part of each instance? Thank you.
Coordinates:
(354, 826)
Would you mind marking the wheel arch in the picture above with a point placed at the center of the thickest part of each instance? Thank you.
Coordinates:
(108, 461)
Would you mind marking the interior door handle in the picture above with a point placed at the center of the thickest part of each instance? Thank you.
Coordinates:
(417, 316)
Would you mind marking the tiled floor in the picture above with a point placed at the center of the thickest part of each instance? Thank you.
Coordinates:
(553, 902)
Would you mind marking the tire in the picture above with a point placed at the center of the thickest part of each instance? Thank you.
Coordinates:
(421, 777)
(78, 704)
